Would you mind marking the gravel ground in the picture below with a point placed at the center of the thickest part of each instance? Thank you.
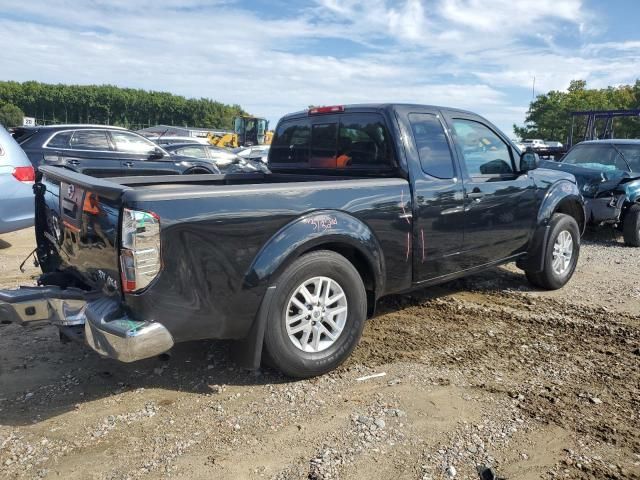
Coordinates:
(481, 372)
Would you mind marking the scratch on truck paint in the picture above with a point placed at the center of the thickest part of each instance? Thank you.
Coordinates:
(408, 246)
(404, 212)
(321, 222)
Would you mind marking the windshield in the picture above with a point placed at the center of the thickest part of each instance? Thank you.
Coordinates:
(604, 157)
(631, 154)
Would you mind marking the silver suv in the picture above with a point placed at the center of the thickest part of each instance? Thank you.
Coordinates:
(16, 185)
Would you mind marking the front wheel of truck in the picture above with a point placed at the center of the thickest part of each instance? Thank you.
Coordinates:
(631, 226)
(317, 315)
(561, 254)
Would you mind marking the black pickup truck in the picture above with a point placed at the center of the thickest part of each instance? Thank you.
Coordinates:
(362, 201)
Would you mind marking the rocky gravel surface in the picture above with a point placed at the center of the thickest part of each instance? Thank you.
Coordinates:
(484, 374)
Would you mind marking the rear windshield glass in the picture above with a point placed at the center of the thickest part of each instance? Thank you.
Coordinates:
(344, 142)
(21, 135)
(60, 140)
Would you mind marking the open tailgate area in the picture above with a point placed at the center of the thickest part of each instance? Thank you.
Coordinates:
(77, 227)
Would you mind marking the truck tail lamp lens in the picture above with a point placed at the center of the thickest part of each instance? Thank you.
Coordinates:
(24, 174)
(140, 249)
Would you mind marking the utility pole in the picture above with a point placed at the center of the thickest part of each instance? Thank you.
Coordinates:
(533, 89)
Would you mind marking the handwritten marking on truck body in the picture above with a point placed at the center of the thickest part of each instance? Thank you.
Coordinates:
(321, 222)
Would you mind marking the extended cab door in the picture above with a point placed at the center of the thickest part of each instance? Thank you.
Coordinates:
(90, 152)
(438, 197)
(500, 205)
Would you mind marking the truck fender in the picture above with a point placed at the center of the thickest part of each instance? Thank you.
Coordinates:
(327, 228)
(632, 191)
(562, 197)
(331, 228)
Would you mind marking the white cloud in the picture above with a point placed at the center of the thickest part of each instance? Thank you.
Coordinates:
(462, 53)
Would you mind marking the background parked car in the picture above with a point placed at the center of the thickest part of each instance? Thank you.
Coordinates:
(16, 185)
(256, 152)
(170, 140)
(103, 151)
(225, 160)
(608, 173)
(533, 143)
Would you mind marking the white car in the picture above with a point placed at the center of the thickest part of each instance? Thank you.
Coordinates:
(256, 152)
(534, 143)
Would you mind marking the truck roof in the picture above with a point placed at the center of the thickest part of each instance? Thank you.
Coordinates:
(355, 107)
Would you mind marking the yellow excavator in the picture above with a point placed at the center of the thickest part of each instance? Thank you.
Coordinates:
(247, 131)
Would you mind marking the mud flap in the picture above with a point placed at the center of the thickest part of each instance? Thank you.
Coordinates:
(248, 352)
(534, 261)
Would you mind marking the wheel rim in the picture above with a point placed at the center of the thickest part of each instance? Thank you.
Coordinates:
(316, 314)
(562, 252)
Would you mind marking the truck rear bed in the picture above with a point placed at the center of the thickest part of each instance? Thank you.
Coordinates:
(223, 238)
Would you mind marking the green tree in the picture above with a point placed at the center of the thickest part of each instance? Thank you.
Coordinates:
(108, 104)
(549, 115)
(10, 115)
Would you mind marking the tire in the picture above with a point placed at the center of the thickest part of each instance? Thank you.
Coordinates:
(554, 276)
(292, 350)
(631, 226)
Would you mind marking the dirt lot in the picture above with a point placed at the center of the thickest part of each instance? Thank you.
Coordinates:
(484, 371)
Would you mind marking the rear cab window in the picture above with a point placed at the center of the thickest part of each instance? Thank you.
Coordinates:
(344, 142)
(433, 147)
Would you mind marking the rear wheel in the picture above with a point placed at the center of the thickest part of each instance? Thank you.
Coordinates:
(631, 226)
(317, 315)
(561, 254)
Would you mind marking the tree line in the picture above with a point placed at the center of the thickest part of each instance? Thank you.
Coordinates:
(111, 105)
(549, 115)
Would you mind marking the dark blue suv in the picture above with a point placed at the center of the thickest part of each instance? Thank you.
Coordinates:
(103, 151)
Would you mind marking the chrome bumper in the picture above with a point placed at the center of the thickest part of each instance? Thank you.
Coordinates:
(107, 329)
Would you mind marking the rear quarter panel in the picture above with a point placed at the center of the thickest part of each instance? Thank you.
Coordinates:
(222, 247)
(16, 202)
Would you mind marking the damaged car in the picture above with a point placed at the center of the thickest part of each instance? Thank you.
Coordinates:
(608, 173)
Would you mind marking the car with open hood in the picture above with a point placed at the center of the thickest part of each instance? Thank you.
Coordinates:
(608, 174)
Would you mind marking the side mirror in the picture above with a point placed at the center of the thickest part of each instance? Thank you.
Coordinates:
(156, 154)
(529, 160)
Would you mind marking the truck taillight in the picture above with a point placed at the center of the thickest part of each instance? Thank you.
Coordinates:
(139, 249)
(24, 174)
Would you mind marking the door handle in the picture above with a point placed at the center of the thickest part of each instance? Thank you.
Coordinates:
(474, 195)
(128, 164)
(73, 162)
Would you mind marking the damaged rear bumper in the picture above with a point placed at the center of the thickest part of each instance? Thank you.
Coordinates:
(107, 328)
